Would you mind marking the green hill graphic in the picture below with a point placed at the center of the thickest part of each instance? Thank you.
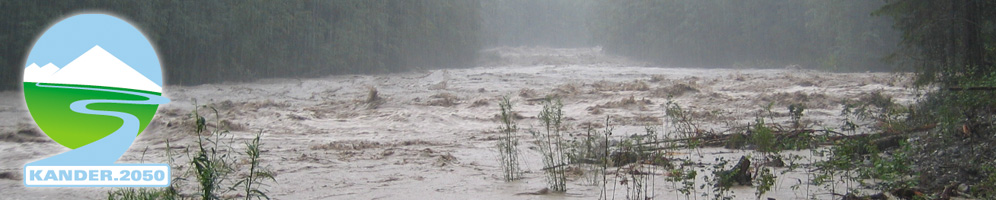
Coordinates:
(50, 109)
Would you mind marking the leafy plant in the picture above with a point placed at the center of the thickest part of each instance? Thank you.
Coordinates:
(682, 123)
(605, 160)
(552, 146)
(508, 153)
(987, 187)
(685, 177)
(142, 194)
(211, 166)
(643, 152)
(763, 137)
(256, 173)
(765, 181)
(721, 180)
(796, 112)
(882, 109)
(891, 170)
(589, 153)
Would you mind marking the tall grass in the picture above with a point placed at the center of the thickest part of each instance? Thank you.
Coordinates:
(213, 165)
(552, 145)
(605, 158)
(257, 174)
(681, 122)
(210, 166)
(142, 194)
(588, 153)
(508, 153)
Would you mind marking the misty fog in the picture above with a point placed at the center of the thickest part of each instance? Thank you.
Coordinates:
(545, 99)
(256, 40)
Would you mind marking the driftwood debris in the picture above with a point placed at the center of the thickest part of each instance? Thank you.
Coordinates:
(972, 88)
(543, 191)
(739, 174)
(886, 139)
(720, 139)
(901, 193)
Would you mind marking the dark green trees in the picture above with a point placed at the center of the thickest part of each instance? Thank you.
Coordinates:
(214, 41)
(827, 34)
(952, 47)
(946, 40)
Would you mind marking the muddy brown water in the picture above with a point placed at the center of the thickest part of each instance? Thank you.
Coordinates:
(431, 134)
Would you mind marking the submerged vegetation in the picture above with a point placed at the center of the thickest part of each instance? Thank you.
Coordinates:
(552, 145)
(938, 146)
(213, 164)
(508, 142)
(873, 156)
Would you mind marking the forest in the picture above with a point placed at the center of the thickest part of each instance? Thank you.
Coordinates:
(210, 42)
(262, 39)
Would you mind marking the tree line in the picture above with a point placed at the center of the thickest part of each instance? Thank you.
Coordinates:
(215, 41)
(836, 35)
(236, 40)
(951, 45)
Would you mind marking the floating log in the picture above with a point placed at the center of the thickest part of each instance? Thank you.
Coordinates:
(739, 174)
(972, 88)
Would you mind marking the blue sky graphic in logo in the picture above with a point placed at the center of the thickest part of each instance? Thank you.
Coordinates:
(92, 83)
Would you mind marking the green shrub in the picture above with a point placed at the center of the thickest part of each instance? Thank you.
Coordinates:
(552, 145)
(508, 153)
(763, 137)
(211, 166)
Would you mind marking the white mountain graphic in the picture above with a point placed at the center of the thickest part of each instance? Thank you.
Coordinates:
(99, 68)
(38, 74)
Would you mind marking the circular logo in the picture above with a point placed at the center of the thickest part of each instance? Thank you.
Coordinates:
(91, 75)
